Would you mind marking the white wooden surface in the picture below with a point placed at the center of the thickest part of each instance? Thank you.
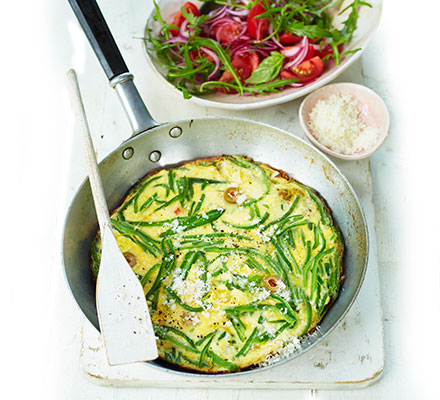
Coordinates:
(41, 327)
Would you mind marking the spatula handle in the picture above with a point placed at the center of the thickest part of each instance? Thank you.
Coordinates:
(89, 151)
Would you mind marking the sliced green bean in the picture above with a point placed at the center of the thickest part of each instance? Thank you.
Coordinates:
(308, 320)
(244, 163)
(120, 214)
(194, 221)
(222, 362)
(200, 244)
(205, 181)
(125, 227)
(312, 262)
(147, 203)
(323, 303)
(325, 216)
(199, 203)
(171, 180)
(280, 252)
(253, 263)
(190, 258)
(205, 350)
(165, 186)
(140, 191)
(247, 345)
(287, 228)
(146, 277)
(163, 334)
(286, 305)
(184, 223)
(181, 334)
(166, 266)
(208, 336)
(284, 216)
(220, 270)
(169, 202)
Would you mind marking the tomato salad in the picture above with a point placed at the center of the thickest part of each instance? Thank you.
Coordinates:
(250, 47)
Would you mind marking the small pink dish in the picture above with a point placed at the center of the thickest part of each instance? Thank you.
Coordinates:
(373, 112)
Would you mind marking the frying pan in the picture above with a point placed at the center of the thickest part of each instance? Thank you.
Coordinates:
(154, 146)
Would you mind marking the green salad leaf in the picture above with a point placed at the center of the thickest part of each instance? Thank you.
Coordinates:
(268, 69)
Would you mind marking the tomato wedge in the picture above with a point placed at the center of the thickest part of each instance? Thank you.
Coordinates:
(179, 18)
(227, 33)
(306, 71)
(257, 27)
(244, 64)
(288, 38)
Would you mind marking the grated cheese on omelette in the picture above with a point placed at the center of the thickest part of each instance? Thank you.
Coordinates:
(336, 123)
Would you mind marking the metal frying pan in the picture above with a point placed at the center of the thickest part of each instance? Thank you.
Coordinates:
(153, 146)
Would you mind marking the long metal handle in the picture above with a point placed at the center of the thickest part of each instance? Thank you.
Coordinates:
(98, 33)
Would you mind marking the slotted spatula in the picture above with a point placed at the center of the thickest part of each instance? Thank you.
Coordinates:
(123, 313)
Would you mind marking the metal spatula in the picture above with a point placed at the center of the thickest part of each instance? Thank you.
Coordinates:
(122, 310)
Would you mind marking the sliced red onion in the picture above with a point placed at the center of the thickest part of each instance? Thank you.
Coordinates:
(176, 39)
(268, 46)
(277, 43)
(299, 58)
(225, 21)
(243, 12)
(296, 84)
(239, 51)
(273, 38)
(217, 14)
(213, 54)
(291, 51)
(183, 30)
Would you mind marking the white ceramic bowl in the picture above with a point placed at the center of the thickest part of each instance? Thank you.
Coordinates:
(374, 113)
(367, 23)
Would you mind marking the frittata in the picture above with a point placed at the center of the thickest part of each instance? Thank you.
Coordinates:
(238, 261)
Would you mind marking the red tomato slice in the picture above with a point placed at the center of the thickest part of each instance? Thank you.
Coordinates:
(288, 38)
(244, 65)
(306, 71)
(254, 60)
(179, 18)
(257, 27)
(227, 33)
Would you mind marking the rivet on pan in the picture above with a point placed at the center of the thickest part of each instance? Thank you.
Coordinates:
(155, 156)
(175, 132)
(128, 153)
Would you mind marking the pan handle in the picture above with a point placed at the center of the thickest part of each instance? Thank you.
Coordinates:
(98, 33)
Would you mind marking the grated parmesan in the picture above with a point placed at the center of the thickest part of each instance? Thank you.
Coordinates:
(289, 347)
(336, 123)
